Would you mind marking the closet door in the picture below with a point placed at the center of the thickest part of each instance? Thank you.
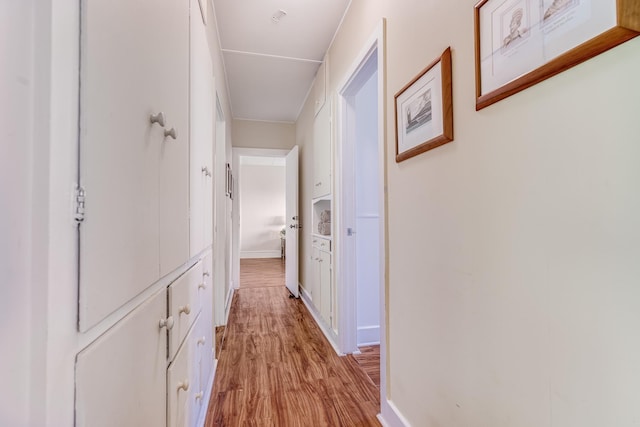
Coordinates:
(121, 377)
(133, 65)
(173, 40)
(201, 128)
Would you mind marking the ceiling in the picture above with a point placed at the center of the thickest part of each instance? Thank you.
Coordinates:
(271, 63)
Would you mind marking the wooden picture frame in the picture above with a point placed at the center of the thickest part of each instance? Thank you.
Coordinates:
(519, 43)
(424, 110)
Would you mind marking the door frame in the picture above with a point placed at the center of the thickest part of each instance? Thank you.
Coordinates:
(345, 250)
(235, 238)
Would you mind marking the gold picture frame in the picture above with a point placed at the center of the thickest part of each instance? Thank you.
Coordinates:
(519, 43)
(424, 110)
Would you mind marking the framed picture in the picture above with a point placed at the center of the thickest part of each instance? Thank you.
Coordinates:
(203, 10)
(424, 110)
(520, 43)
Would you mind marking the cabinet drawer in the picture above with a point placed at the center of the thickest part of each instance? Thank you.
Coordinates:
(184, 305)
(322, 244)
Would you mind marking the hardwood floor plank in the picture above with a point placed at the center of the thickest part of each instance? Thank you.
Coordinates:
(261, 272)
(276, 368)
(369, 360)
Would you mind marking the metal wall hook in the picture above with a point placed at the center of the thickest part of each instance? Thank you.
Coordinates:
(158, 118)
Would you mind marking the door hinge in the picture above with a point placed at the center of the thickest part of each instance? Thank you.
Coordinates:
(80, 200)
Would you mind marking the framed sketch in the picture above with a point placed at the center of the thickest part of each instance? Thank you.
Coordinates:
(520, 43)
(203, 10)
(424, 110)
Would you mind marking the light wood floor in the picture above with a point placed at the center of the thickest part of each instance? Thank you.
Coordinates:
(261, 272)
(369, 361)
(277, 369)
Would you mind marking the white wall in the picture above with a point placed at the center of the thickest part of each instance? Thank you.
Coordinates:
(254, 134)
(367, 214)
(512, 251)
(262, 209)
(16, 221)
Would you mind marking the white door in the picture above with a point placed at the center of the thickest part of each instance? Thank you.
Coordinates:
(293, 222)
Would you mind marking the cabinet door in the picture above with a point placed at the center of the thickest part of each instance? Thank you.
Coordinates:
(322, 152)
(206, 317)
(201, 125)
(184, 305)
(326, 298)
(135, 178)
(121, 377)
(174, 153)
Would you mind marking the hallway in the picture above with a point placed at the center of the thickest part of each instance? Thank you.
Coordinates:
(277, 369)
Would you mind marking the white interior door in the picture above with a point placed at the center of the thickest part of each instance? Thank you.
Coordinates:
(293, 222)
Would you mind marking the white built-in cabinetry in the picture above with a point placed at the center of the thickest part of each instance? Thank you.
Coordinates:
(322, 290)
(322, 152)
(324, 295)
(144, 210)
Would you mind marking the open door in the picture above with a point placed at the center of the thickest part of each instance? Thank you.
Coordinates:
(292, 221)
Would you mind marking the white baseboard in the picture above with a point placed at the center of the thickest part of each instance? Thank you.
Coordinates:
(390, 416)
(260, 254)
(326, 330)
(207, 397)
(305, 295)
(227, 304)
(368, 335)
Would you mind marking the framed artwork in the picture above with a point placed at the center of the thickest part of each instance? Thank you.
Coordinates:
(520, 43)
(424, 110)
(203, 10)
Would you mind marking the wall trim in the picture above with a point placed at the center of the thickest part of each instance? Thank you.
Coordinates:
(368, 335)
(326, 330)
(260, 254)
(390, 416)
(227, 304)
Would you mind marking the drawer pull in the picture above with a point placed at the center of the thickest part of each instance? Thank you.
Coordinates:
(183, 385)
(186, 309)
(199, 395)
(171, 132)
(167, 323)
(201, 341)
(157, 118)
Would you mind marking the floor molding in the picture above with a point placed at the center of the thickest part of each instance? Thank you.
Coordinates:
(390, 416)
(326, 330)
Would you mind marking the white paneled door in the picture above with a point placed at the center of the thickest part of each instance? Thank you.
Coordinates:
(133, 168)
(293, 222)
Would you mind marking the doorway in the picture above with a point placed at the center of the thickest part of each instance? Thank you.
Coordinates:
(361, 267)
(264, 204)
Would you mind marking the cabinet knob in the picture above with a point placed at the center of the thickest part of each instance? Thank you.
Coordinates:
(183, 385)
(157, 118)
(201, 341)
(199, 395)
(206, 172)
(167, 323)
(171, 132)
(186, 309)
(206, 274)
(202, 286)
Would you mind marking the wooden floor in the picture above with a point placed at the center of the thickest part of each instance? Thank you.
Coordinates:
(369, 361)
(261, 272)
(277, 369)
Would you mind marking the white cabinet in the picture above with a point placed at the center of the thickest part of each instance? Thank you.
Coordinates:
(323, 291)
(322, 152)
(320, 87)
(121, 377)
(184, 305)
(135, 178)
(201, 137)
(205, 292)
